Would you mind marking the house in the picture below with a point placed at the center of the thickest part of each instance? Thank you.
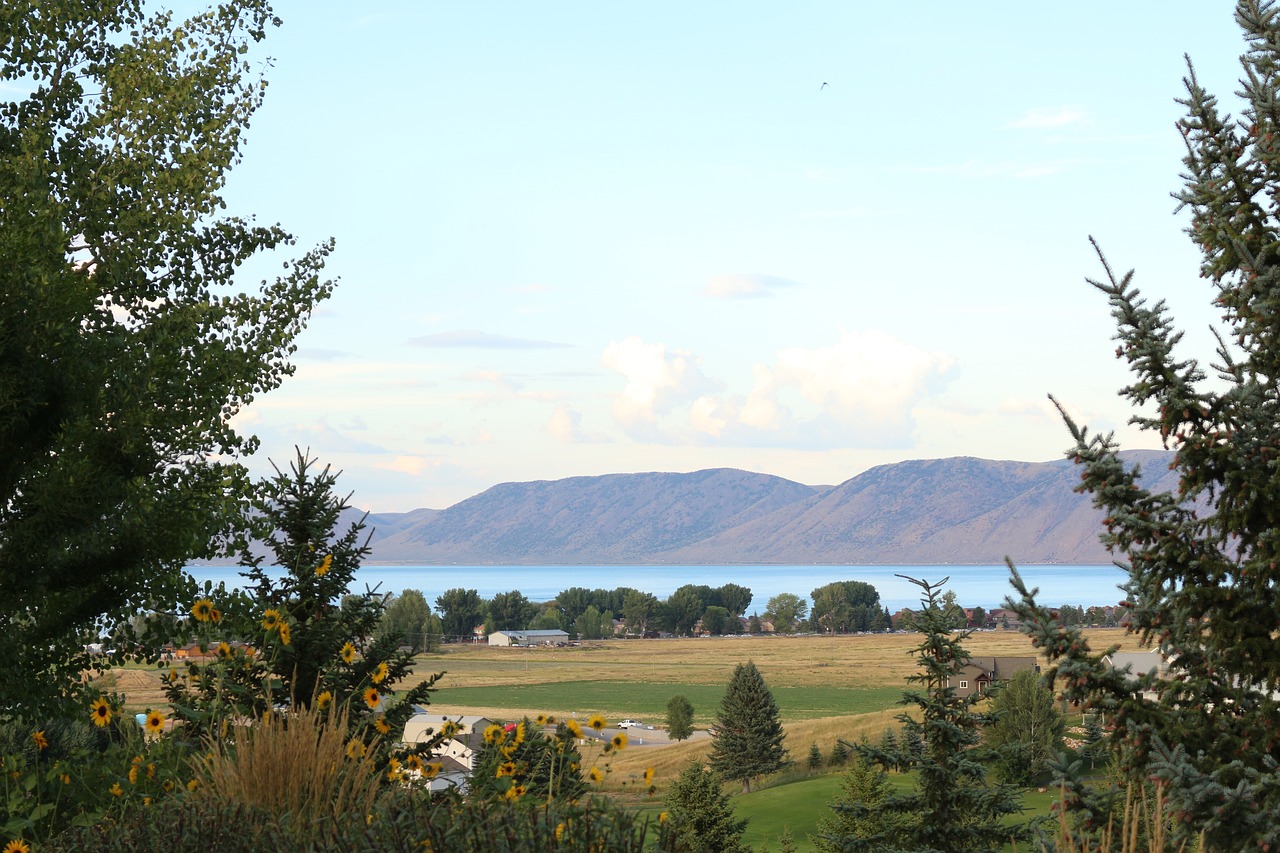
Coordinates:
(1139, 663)
(980, 673)
(456, 755)
(528, 638)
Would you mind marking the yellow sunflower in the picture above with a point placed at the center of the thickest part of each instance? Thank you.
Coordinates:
(413, 763)
(286, 635)
(449, 729)
(618, 741)
(648, 776)
(270, 619)
(215, 616)
(494, 734)
(115, 790)
(42, 743)
(382, 726)
(596, 722)
(224, 649)
(432, 770)
(325, 565)
(17, 845)
(595, 775)
(355, 749)
(348, 653)
(323, 700)
(100, 712)
(574, 728)
(202, 610)
(372, 697)
(379, 673)
(154, 723)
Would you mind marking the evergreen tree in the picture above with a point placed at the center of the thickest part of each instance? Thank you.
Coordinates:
(748, 743)
(679, 718)
(1202, 561)
(815, 759)
(700, 817)
(839, 754)
(858, 824)
(1028, 728)
(953, 807)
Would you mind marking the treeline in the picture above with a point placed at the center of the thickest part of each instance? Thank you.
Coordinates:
(842, 607)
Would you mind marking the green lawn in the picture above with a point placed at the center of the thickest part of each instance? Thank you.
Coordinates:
(648, 701)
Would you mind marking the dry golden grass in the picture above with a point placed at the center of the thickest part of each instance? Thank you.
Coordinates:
(869, 660)
(297, 766)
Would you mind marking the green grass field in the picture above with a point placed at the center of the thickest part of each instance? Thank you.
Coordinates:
(647, 701)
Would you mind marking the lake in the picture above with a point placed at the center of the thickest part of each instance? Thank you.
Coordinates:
(974, 586)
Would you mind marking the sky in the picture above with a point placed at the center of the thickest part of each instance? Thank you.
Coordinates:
(802, 239)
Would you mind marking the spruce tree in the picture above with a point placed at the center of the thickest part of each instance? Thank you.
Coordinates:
(1202, 560)
(815, 758)
(700, 817)
(953, 808)
(856, 821)
(749, 741)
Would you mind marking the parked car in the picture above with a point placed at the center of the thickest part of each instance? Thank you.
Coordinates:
(631, 724)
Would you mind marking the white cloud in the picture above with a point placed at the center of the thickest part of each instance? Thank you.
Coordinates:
(414, 466)
(565, 425)
(657, 380)
(745, 286)
(1047, 118)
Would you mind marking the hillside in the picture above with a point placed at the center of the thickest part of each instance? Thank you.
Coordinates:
(958, 510)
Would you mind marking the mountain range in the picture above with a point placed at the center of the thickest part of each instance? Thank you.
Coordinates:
(957, 510)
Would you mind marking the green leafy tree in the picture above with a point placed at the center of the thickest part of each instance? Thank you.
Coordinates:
(715, 621)
(510, 611)
(1202, 559)
(126, 345)
(857, 822)
(786, 611)
(461, 610)
(954, 806)
(701, 817)
(845, 606)
(406, 616)
(1028, 728)
(594, 625)
(748, 740)
(682, 610)
(637, 608)
(679, 717)
(734, 598)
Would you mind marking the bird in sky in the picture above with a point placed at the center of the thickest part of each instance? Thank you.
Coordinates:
(823, 86)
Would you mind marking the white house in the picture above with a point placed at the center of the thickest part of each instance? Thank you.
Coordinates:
(528, 638)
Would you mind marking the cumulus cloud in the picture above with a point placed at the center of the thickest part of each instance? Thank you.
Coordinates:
(657, 380)
(566, 425)
(863, 391)
(482, 340)
(744, 286)
(496, 378)
(413, 466)
(1048, 118)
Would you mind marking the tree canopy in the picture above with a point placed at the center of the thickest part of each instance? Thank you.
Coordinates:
(748, 740)
(127, 343)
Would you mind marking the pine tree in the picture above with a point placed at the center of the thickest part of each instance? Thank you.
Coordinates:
(857, 822)
(815, 758)
(1028, 728)
(700, 817)
(749, 741)
(679, 718)
(839, 754)
(953, 808)
(1203, 561)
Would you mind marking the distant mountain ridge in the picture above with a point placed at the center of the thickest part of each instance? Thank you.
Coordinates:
(959, 510)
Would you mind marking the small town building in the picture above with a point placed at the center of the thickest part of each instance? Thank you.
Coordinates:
(528, 638)
(981, 672)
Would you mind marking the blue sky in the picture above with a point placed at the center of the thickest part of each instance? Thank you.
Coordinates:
(586, 238)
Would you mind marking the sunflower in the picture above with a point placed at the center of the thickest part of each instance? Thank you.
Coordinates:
(42, 743)
(382, 726)
(17, 845)
(648, 776)
(432, 770)
(595, 775)
(224, 649)
(596, 722)
(494, 734)
(323, 568)
(355, 749)
(413, 764)
(379, 673)
(541, 720)
(115, 790)
(348, 653)
(662, 818)
(270, 619)
(618, 741)
(133, 775)
(372, 697)
(202, 610)
(154, 723)
(215, 616)
(506, 768)
(574, 728)
(449, 729)
(323, 700)
(100, 712)
(286, 634)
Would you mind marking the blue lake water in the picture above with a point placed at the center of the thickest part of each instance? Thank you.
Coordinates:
(974, 586)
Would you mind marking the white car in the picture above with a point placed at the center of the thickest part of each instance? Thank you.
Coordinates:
(631, 724)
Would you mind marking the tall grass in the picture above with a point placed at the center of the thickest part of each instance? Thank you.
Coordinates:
(292, 764)
(1143, 828)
